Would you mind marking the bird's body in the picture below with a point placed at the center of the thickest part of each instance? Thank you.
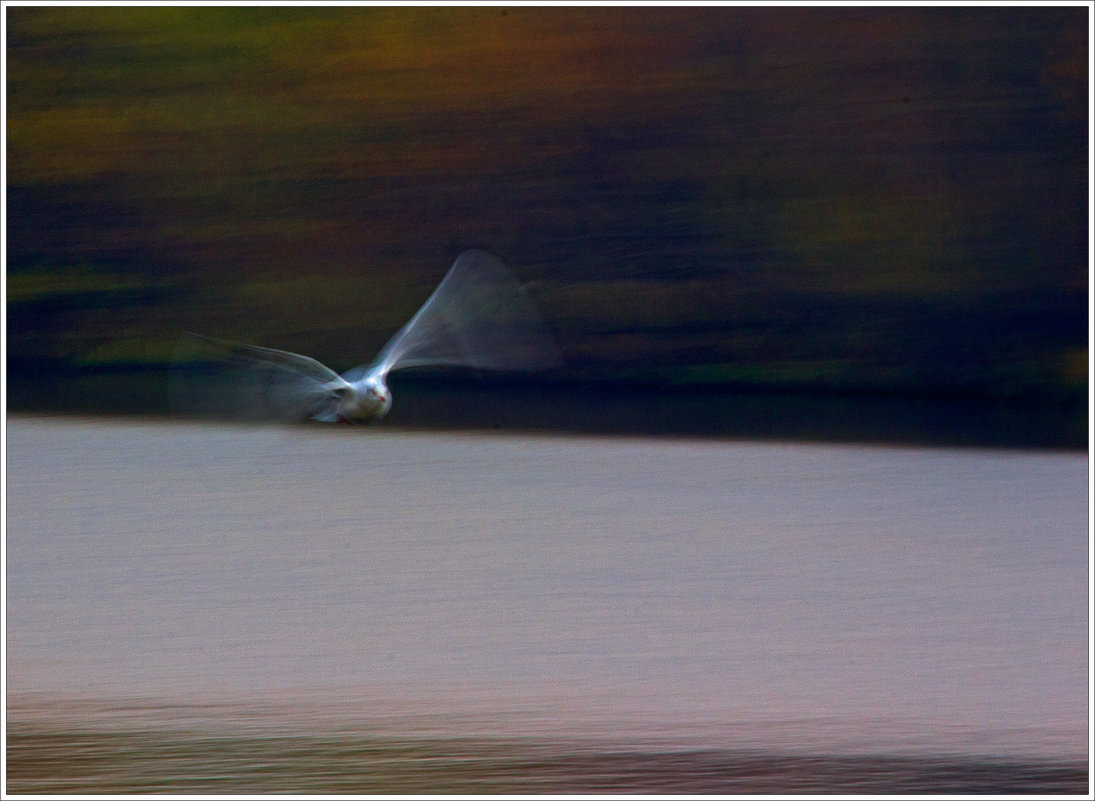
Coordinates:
(479, 317)
(364, 400)
(361, 401)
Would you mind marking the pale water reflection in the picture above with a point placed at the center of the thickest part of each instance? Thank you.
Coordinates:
(795, 598)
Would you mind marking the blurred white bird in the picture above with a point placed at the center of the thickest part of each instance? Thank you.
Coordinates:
(479, 317)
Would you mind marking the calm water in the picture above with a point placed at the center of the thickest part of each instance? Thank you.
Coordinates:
(185, 580)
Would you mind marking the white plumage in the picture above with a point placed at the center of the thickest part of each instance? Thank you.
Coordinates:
(479, 317)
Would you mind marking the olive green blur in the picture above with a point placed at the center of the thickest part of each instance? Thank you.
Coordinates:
(862, 199)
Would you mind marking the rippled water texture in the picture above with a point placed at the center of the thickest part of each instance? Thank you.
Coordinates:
(218, 608)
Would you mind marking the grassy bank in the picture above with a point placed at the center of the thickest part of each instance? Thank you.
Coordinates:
(58, 761)
(631, 409)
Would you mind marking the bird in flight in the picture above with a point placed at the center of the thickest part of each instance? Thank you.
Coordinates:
(478, 317)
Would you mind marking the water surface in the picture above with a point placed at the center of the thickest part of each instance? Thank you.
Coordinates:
(654, 594)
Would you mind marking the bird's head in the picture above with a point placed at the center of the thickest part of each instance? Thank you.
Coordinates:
(363, 401)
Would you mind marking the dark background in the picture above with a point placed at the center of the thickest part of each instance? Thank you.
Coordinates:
(862, 203)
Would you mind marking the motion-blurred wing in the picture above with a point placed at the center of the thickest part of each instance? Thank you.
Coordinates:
(214, 378)
(479, 316)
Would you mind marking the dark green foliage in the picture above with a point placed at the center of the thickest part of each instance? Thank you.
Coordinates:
(863, 199)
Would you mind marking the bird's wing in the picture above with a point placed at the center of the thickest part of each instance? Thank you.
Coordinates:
(215, 378)
(479, 316)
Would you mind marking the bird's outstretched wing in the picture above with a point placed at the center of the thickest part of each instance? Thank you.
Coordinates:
(215, 378)
(479, 316)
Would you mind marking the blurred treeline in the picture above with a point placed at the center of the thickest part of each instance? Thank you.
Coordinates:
(886, 199)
